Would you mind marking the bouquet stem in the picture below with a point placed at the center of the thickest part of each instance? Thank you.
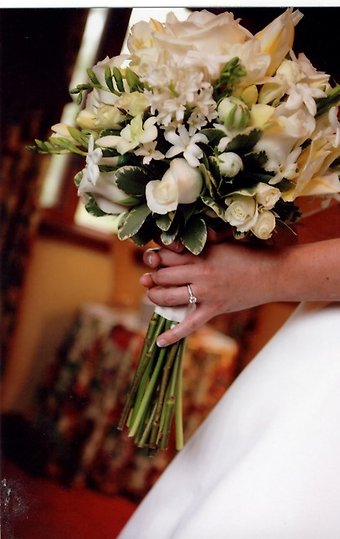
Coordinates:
(155, 395)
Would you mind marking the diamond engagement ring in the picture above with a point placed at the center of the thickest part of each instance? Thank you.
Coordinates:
(192, 298)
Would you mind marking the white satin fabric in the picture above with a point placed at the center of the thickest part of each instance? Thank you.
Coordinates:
(266, 462)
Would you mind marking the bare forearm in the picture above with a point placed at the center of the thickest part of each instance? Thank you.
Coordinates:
(309, 272)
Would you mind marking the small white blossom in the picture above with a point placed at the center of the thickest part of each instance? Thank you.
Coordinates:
(92, 159)
(185, 144)
(131, 136)
(149, 152)
(302, 93)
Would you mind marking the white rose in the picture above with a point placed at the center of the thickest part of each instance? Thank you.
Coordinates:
(266, 195)
(162, 196)
(203, 31)
(188, 180)
(229, 164)
(181, 184)
(242, 212)
(104, 190)
(264, 225)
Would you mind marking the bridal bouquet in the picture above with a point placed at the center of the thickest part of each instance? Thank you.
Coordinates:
(202, 125)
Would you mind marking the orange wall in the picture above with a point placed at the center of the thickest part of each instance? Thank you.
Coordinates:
(60, 278)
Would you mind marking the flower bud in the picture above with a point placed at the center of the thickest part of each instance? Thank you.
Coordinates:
(242, 212)
(233, 113)
(229, 164)
(267, 195)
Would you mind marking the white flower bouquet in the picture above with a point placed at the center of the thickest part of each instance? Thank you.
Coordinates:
(202, 125)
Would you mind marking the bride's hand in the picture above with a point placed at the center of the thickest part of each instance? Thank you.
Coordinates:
(226, 277)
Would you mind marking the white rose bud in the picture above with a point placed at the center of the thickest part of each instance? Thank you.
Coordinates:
(181, 184)
(229, 164)
(233, 113)
(188, 180)
(266, 195)
(242, 212)
(264, 225)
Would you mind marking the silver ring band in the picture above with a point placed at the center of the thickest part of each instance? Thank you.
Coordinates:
(192, 297)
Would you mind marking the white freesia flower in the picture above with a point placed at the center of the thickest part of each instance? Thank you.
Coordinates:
(266, 195)
(135, 133)
(242, 212)
(185, 144)
(104, 117)
(61, 130)
(264, 226)
(181, 184)
(229, 163)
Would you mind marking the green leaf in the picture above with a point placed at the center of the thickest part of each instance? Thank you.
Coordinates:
(164, 222)
(133, 80)
(118, 78)
(92, 208)
(132, 180)
(325, 103)
(133, 221)
(93, 78)
(78, 136)
(195, 235)
(108, 79)
(214, 135)
(168, 237)
(63, 142)
(243, 143)
(217, 208)
(144, 235)
(209, 179)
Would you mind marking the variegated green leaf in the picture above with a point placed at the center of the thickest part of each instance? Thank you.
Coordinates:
(133, 221)
(195, 235)
(212, 204)
(243, 143)
(132, 180)
(164, 221)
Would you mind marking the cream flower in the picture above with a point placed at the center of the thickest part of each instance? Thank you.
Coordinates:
(266, 195)
(264, 226)
(242, 212)
(181, 184)
(131, 136)
(185, 144)
(92, 159)
(105, 117)
(277, 37)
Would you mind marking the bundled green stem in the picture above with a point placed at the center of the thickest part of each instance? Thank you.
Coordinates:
(155, 395)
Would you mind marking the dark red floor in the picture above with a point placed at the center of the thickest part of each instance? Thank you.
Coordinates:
(35, 508)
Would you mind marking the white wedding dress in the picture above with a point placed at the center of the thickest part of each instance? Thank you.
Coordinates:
(266, 463)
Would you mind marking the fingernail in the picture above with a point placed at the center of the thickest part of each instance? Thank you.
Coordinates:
(161, 342)
(149, 259)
